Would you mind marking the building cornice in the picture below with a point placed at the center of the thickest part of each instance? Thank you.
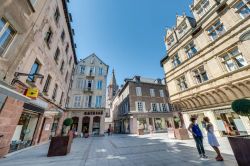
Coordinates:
(66, 13)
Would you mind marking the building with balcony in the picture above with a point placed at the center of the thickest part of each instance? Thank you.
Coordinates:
(207, 63)
(142, 103)
(87, 100)
(37, 54)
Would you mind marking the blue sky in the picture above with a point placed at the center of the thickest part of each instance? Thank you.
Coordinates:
(128, 35)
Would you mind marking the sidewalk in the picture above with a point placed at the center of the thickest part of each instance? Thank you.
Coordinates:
(122, 150)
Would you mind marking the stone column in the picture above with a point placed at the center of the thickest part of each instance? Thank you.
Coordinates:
(102, 125)
(153, 121)
(79, 128)
(186, 119)
(91, 125)
(147, 122)
(163, 124)
(132, 125)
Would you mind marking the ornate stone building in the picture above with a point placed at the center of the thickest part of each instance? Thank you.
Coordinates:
(36, 51)
(88, 96)
(207, 63)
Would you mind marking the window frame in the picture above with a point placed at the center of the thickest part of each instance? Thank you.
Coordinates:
(213, 28)
(200, 7)
(246, 4)
(57, 55)
(48, 37)
(138, 91)
(57, 15)
(200, 74)
(47, 84)
(54, 94)
(182, 79)
(176, 60)
(232, 57)
(33, 78)
(7, 26)
(152, 92)
(189, 47)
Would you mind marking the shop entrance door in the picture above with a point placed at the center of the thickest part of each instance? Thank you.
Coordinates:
(74, 126)
(96, 125)
(85, 124)
(24, 132)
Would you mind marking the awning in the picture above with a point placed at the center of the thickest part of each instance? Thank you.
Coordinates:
(33, 108)
(12, 93)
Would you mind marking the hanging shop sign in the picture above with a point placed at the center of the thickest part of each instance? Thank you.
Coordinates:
(32, 93)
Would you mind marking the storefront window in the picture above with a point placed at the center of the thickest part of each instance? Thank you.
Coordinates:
(229, 123)
(24, 132)
(142, 124)
(158, 124)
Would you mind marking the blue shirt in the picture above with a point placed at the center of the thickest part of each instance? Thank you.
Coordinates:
(196, 130)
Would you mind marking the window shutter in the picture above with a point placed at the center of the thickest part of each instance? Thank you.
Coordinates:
(136, 106)
(167, 107)
(93, 85)
(144, 106)
(158, 107)
(86, 101)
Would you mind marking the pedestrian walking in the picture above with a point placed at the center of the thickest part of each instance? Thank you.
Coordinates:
(212, 140)
(108, 131)
(198, 137)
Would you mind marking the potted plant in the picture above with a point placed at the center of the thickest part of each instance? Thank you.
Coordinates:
(61, 145)
(241, 144)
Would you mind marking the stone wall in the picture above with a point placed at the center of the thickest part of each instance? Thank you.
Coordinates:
(9, 117)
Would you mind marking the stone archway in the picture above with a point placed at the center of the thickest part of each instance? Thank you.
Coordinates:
(85, 124)
(96, 125)
(74, 126)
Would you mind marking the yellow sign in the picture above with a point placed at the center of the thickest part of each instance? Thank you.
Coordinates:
(32, 93)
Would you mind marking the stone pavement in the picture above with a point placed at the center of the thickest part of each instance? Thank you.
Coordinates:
(123, 150)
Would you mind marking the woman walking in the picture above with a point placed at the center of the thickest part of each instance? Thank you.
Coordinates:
(198, 137)
(212, 139)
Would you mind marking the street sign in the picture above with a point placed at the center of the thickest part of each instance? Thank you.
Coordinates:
(32, 93)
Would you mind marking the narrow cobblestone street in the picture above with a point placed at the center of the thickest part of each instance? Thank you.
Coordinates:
(124, 150)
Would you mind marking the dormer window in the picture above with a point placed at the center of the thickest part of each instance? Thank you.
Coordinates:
(202, 8)
(170, 40)
(182, 29)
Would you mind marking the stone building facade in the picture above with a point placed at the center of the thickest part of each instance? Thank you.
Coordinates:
(207, 63)
(37, 52)
(142, 103)
(87, 104)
